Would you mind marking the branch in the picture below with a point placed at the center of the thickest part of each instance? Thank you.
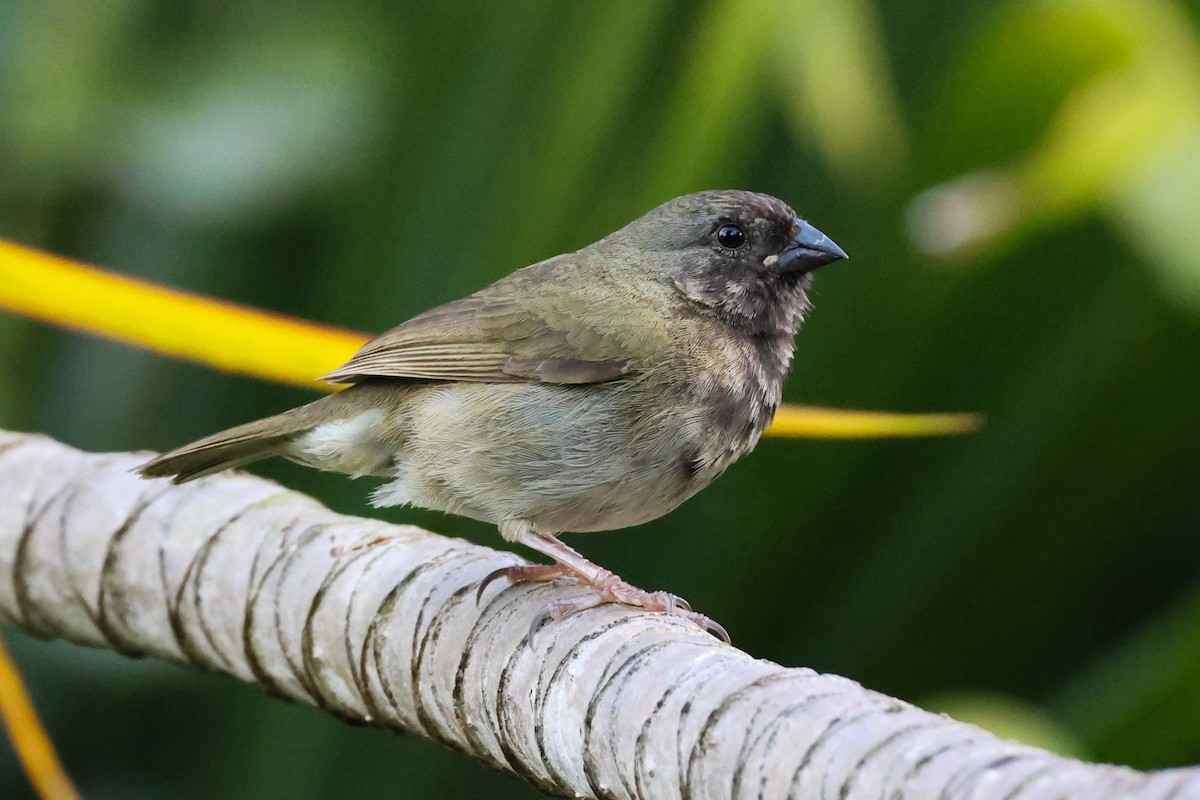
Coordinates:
(378, 623)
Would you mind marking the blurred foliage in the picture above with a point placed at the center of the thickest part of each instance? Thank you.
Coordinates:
(1016, 183)
(1009, 717)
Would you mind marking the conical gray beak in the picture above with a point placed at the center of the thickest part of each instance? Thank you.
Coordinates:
(808, 250)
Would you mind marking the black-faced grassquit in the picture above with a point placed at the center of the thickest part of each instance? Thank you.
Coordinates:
(595, 390)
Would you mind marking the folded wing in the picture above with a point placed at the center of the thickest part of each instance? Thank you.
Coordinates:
(491, 340)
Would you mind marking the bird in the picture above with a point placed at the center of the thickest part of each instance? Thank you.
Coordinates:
(595, 390)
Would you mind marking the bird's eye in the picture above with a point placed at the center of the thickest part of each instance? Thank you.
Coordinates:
(731, 237)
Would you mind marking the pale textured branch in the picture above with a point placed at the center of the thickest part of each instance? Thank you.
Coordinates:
(378, 623)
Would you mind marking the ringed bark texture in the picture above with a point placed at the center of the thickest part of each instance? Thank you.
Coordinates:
(378, 623)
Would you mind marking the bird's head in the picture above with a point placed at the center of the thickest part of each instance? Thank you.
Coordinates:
(746, 255)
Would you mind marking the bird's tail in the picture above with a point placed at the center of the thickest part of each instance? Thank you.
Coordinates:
(235, 447)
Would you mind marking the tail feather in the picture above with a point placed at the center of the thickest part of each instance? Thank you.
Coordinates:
(235, 447)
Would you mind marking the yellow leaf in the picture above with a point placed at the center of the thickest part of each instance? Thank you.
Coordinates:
(811, 422)
(226, 336)
(33, 746)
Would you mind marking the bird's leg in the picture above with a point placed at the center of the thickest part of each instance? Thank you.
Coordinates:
(604, 586)
(517, 531)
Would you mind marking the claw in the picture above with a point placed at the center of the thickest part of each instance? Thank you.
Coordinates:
(538, 573)
(487, 581)
(715, 628)
(539, 619)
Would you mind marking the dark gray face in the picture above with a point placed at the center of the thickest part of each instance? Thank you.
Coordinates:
(746, 255)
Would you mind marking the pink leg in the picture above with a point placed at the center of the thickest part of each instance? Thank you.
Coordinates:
(606, 587)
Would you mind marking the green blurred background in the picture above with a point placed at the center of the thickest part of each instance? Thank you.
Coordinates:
(1017, 185)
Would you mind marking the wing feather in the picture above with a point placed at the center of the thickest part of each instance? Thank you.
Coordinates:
(492, 339)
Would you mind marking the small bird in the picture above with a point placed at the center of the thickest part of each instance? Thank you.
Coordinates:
(591, 391)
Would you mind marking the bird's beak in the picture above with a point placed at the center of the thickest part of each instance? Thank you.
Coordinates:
(808, 250)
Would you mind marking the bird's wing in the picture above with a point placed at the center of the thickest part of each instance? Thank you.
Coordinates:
(493, 339)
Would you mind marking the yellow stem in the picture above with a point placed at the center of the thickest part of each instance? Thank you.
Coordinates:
(29, 739)
(811, 422)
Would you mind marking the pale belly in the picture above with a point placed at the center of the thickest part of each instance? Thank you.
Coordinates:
(566, 458)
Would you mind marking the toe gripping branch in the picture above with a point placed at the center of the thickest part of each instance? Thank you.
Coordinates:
(602, 587)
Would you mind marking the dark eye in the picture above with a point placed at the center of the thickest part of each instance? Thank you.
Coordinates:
(731, 236)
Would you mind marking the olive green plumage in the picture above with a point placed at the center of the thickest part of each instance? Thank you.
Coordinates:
(594, 390)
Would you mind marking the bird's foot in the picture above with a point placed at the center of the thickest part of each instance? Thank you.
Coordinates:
(607, 587)
(602, 587)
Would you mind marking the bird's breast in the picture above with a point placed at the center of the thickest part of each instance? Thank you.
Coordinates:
(730, 389)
